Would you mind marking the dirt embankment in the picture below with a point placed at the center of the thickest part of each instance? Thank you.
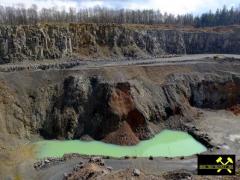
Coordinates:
(110, 41)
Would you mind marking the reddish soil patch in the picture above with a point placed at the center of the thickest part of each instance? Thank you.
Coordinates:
(123, 136)
(232, 90)
(134, 125)
(235, 109)
(135, 119)
(121, 102)
(138, 124)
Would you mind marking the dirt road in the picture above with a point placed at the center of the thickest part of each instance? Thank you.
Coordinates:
(86, 64)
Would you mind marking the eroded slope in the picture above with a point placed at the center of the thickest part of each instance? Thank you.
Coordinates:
(120, 105)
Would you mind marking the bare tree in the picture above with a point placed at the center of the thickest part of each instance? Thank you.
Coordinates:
(33, 15)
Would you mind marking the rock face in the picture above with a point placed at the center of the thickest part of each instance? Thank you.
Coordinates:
(95, 103)
(18, 43)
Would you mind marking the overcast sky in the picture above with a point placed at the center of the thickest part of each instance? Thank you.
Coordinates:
(170, 6)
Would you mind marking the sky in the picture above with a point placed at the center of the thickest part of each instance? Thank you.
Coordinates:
(170, 6)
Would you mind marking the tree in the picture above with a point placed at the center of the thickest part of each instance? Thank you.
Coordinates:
(22, 15)
(32, 15)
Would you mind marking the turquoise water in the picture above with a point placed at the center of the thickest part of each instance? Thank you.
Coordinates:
(167, 144)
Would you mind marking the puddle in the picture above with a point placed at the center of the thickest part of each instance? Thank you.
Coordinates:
(167, 144)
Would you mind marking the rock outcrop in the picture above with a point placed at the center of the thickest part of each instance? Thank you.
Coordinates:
(95, 103)
(18, 43)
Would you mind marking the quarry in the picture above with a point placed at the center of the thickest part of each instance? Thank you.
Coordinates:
(119, 86)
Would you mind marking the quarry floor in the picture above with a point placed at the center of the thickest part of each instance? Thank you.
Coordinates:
(19, 162)
(222, 127)
(225, 133)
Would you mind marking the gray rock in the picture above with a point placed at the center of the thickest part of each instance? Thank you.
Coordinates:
(46, 161)
(136, 172)
(109, 168)
(150, 158)
(65, 174)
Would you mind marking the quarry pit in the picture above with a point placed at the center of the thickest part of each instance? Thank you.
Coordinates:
(121, 104)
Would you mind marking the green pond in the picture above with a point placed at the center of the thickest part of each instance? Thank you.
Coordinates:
(168, 144)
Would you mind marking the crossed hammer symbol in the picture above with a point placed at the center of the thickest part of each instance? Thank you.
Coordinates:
(219, 160)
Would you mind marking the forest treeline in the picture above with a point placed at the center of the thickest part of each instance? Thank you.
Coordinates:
(32, 15)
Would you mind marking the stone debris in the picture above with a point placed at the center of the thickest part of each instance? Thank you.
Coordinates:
(50, 161)
(97, 160)
(45, 163)
(109, 168)
(92, 169)
(71, 156)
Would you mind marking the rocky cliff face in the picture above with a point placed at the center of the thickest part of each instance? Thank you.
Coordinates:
(72, 104)
(18, 43)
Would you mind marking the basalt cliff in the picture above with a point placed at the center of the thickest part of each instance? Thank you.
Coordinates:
(104, 41)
